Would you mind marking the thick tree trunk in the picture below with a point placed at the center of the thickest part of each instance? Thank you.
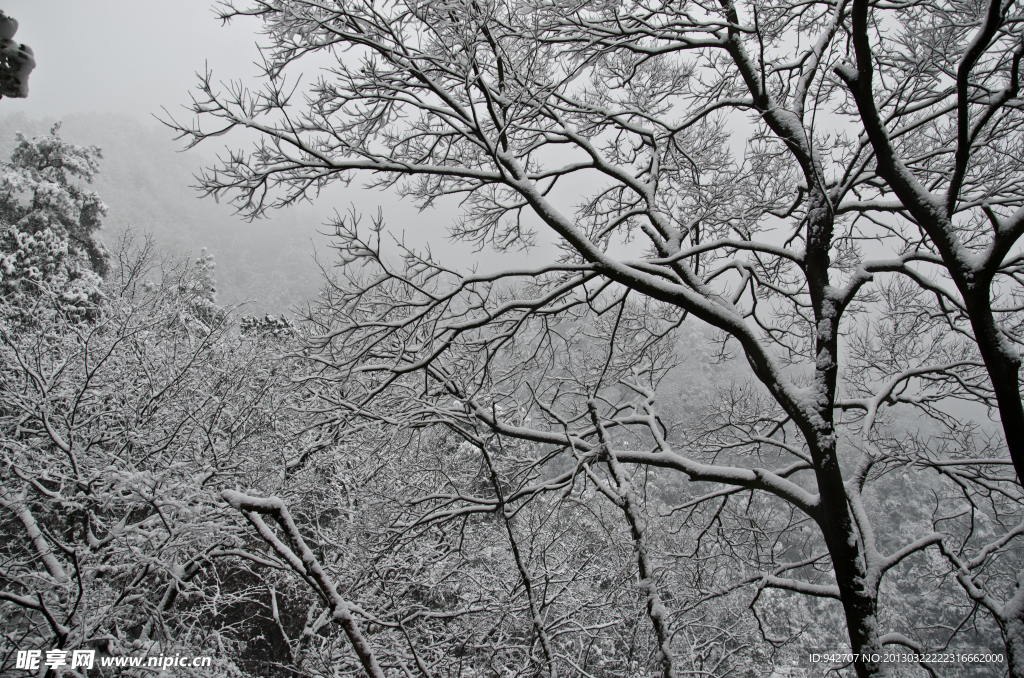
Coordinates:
(859, 597)
(860, 605)
(1013, 639)
(858, 594)
(1011, 626)
(1003, 365)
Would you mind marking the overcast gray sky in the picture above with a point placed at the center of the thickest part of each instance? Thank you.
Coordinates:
(136, 56)
(131, 56)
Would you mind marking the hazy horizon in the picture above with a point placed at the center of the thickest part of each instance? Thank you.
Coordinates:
(139, 61)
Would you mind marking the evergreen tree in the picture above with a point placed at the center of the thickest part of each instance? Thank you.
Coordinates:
(49, 222)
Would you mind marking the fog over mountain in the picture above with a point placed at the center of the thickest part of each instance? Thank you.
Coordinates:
(147, 180)
(146, 185)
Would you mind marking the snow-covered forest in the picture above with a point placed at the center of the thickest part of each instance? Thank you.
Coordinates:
(711, 369)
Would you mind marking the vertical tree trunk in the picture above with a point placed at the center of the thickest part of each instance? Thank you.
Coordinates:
(1002, 364)
(859, 596)
(1011, 627)
(1013, 639)
(860, 604)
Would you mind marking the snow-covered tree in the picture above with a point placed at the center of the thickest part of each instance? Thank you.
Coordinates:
(833, 187)
(49, 223)
(115, 435)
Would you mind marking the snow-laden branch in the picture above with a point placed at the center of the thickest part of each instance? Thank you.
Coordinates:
(305, 564)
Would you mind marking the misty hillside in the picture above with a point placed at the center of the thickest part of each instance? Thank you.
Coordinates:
(146, 185)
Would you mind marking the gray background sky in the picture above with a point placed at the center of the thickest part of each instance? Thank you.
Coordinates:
(129, 56)
(104, 64)
(105, 68)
